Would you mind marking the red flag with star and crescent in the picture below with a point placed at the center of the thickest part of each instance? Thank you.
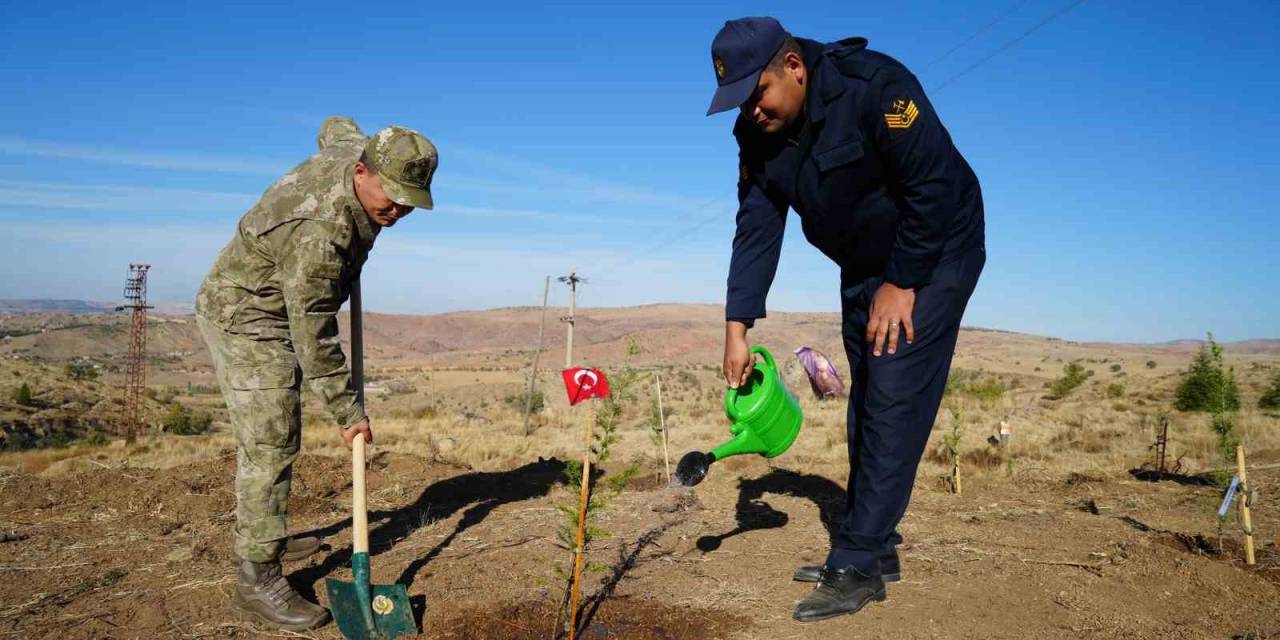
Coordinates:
(582, 383)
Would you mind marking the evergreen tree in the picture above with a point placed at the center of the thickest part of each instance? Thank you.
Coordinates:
(1207, 386)
(22, 395)
(1271, 397)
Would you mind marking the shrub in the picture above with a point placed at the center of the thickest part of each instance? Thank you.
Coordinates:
(1206, 385)
(95, 438)
(1073, 375)
(60, 439)
(1115, 368)
(22, 395)
(972, 383)
(1115, 390)
(80, 370)
(517, 401)
(1271, 397)
(183, 422)
(1151, 364)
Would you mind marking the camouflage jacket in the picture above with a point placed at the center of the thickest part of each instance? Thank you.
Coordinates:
(291, 264)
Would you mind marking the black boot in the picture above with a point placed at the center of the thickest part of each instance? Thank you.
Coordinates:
(841, 591)
(263, 592)
(299, 548)
(890, 569)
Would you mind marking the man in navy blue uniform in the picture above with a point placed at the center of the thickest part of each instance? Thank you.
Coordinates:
(846, 137)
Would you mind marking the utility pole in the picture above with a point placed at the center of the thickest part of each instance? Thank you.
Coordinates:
(572, 280)
(135, 292)
(533, 371)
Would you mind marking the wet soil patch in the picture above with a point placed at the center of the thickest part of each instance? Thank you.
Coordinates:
(1151, 475)
(617, 620)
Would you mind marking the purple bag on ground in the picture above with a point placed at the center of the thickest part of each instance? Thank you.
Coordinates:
(823, 376)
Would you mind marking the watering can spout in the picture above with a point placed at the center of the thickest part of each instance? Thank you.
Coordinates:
(745, 442)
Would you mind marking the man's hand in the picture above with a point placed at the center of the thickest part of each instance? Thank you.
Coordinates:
(349, 434)
(891, 310)
(738, 359)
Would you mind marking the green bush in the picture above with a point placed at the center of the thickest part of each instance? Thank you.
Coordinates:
(1073, 375)
(1206, 385)
(1115, 368)
(22, 395)
(80, 370)
(183, 422)
(1271, 397)
(1151, 364)
(517, 401)
(1115, 390)
(95, 438)
(60, 439)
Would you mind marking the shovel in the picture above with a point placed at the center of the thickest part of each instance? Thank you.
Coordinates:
(364, 611)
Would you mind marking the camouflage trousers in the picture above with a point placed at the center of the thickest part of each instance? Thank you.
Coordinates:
(260, 383)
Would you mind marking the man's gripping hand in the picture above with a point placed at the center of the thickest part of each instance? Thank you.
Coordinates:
(738, 359)
(349, 434)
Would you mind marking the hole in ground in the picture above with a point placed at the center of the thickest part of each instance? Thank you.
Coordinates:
(614, 621)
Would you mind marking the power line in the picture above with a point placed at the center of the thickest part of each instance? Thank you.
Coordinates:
(1006, 46)
(687, 232)
(974, 35)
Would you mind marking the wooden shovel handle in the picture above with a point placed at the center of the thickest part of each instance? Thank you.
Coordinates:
(359, 515)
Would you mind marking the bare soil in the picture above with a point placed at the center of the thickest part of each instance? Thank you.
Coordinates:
(119, 552)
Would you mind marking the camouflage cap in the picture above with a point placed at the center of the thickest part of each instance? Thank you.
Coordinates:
(405, 160)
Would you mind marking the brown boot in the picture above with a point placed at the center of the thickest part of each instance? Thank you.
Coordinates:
(299, 548)
(263, 592)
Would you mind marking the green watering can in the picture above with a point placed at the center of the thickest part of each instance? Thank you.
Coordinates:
(766, 420)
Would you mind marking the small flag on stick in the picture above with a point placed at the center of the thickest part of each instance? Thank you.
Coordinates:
(581, 383)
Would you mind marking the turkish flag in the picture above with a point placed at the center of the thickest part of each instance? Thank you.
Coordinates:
(581, 383)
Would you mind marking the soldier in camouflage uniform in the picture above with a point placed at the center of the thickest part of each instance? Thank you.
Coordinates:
(268, 312)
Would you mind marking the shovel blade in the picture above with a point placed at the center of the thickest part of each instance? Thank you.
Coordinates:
(388, 614)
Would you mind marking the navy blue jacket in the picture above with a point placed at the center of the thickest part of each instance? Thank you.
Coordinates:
(872, 173)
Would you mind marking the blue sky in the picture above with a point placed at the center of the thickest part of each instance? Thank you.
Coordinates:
(1127, 150)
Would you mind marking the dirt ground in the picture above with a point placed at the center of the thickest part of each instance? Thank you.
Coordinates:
(119, 552)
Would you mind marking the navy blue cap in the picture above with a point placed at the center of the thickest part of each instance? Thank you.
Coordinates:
(741, 50)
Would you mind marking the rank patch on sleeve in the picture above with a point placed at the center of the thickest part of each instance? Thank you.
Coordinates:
(902, 115)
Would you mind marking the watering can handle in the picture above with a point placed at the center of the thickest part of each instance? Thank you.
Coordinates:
(731, 398)
(768, 357)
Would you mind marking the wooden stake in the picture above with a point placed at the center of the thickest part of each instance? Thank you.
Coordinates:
(662, 421)
(1246, 517)
(533, 372)
(582, 524)
(955, 471)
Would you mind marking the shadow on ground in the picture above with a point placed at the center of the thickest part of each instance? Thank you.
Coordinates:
(476, 494)
(755, 514)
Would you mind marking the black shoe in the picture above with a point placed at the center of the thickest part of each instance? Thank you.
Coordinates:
(890, 570)
(263, 592)
(842, 591)
(299, 548)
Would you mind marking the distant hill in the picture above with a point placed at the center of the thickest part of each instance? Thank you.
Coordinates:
(83, 307)
(20, 307)
(666, 334)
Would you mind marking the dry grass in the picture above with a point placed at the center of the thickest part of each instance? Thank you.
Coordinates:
(460, 416)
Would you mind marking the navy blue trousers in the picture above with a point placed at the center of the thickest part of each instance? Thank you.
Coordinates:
(893, 401)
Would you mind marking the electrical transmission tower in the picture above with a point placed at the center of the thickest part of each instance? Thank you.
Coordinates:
(135, 292)
(572, 280)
